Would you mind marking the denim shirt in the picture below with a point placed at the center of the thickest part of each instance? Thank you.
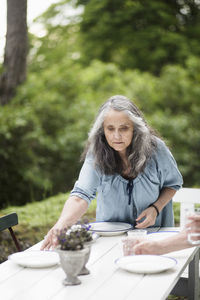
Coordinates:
(121, 200)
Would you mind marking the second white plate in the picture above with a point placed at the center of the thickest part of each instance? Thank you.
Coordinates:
(35, 259)
(110, 228)
(146, 263)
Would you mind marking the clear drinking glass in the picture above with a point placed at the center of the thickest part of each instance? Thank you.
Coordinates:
(134, 236)
(193, 236)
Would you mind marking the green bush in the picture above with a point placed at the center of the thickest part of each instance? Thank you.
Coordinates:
(42, 131)
(177, 116)
(40, 139)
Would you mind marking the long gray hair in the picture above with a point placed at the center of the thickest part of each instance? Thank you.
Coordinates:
(138, 152)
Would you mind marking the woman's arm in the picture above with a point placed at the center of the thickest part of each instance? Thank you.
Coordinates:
(150, 213)
(72, 211)
(165, 196)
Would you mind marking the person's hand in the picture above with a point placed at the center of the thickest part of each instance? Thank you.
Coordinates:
(128, 245)
(193, 225)
(150, 215)
(194, 221)
(50, 240)
(146, 247)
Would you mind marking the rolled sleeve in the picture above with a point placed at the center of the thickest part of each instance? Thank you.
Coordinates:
(168, 171)
(88, 181)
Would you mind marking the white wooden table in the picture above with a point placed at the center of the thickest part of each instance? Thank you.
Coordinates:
(105, 281)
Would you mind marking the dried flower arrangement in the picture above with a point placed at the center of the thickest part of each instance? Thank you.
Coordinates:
(74, 237)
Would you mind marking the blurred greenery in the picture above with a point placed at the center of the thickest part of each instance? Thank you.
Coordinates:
(104, 48)
(43, 214)
(140, 34)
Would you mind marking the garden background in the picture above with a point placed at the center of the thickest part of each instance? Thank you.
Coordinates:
(146, 50)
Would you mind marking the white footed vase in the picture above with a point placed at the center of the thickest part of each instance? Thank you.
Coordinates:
(73, 262)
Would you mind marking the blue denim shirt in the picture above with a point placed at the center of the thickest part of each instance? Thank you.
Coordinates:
(121, 200)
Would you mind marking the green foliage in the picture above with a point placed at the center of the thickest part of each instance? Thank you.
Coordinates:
(177, 116)
(42, 213)
(176, 209)
(43, 130)
(42, 134)
(140, 34)
(145, 35)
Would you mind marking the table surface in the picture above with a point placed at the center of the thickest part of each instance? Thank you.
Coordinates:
(105, 281)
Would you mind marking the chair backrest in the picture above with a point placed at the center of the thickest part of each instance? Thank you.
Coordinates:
(187, 197)
(7, 222)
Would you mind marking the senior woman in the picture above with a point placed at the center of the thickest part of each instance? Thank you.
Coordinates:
(128, 167)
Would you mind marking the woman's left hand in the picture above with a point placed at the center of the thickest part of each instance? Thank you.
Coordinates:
(150, 215)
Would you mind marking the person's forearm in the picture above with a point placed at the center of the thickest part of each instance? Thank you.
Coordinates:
(72, 211)
(174, 243)
(150, 213)
(165, 196)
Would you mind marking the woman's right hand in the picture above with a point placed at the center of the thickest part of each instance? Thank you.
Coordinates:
(72, 211)
(50, 240)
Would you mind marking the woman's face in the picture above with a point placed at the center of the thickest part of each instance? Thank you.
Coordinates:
(118, 130)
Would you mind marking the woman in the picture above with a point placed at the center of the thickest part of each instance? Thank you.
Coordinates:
(130, 169)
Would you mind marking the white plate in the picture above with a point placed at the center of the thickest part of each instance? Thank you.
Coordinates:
(35, 259)
(146, 263)
(110, 228)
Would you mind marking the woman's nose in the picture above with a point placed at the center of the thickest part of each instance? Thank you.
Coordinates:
(117, 134)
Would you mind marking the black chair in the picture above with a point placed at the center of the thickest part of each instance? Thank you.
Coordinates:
(7, 222)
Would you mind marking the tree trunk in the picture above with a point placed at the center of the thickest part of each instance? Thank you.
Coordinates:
(14, 71)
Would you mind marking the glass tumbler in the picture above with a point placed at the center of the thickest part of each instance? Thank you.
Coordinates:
(194, 233)
(134, 237)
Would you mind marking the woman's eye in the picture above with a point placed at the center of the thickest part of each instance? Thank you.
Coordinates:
(110, 128)
(124, 128)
